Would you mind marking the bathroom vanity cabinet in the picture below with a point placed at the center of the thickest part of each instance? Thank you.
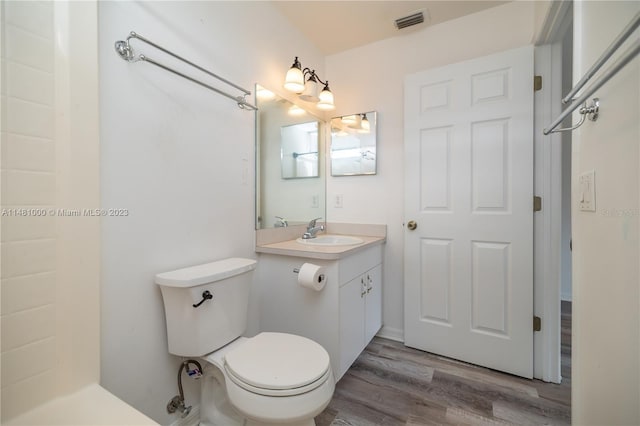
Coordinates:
(360, 314)
(343, 317)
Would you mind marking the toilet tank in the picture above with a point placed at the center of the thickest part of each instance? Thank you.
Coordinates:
(196, 331)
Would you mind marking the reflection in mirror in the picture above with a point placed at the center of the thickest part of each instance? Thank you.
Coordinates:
(299, 150)
(288, 146)
(353, 144)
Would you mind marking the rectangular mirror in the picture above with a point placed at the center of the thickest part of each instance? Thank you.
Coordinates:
(289, 146)
(353, 144)
(299, 150)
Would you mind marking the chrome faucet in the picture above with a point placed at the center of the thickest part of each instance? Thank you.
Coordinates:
(281, 223)
(312, 229)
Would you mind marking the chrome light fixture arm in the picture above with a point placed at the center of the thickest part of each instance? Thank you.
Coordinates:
(313, 76)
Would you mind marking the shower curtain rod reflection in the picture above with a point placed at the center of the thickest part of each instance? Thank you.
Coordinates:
(124, 49)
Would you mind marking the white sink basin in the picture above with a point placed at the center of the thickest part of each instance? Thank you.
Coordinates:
(331, 240)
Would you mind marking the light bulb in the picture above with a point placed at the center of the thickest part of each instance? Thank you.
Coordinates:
(326, 99)
(310, 93)
(294, 81)
(296, 110)
(265, 94)
(364, 123)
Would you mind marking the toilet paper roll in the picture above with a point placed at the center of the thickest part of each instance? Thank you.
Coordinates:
(312, 276)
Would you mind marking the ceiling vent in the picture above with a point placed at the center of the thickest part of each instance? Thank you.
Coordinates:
(408, 21)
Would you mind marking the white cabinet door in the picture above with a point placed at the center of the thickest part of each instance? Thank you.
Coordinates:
(351, 322)
(373, 303)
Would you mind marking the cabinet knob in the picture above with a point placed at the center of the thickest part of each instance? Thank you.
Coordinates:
(412, 225)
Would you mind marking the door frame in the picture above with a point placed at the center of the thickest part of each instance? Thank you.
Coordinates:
(547, 237)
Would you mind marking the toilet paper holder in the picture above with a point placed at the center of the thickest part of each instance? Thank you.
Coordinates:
(297, 271)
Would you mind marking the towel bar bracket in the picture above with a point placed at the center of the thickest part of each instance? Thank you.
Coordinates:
(586, 111)
(592, 110)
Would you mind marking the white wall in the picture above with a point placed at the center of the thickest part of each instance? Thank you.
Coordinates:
(606, 278)
(50, 262)
(180, 159)
(372, 78)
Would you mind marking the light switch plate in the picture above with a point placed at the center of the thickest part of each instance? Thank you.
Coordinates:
(587, 194)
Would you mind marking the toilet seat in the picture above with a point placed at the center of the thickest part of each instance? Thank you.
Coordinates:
(278, 392)
(278, 364)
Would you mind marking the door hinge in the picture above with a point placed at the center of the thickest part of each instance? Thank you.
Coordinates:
(537, 83)
(537, 203)
(537, 323)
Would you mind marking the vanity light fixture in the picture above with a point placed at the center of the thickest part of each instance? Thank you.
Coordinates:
(364, 123)
(304, 82)
(355, 123)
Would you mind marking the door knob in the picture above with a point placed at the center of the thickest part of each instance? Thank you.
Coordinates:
(412, 225)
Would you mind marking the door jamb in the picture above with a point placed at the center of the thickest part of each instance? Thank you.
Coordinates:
(547, 222)
(548, 184)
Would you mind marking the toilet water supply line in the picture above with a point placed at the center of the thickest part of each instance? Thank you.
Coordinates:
(177, 402)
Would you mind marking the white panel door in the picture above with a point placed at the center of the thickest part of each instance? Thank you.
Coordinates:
(469, 188)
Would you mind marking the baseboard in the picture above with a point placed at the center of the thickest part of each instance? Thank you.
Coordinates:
(391, 334)
(193, 419)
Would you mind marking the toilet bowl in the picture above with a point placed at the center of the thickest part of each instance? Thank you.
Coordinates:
(271, 378)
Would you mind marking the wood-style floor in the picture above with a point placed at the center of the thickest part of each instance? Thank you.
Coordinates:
(390, 384)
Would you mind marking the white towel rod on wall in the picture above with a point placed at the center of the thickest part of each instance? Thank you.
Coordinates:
(581, 101)
(124, 49)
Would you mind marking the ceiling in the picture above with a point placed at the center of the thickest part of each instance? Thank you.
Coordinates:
(335, 26)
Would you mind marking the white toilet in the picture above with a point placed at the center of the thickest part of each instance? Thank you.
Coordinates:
(272, 378)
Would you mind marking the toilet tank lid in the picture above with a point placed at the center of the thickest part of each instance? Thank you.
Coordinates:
(206, 273)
